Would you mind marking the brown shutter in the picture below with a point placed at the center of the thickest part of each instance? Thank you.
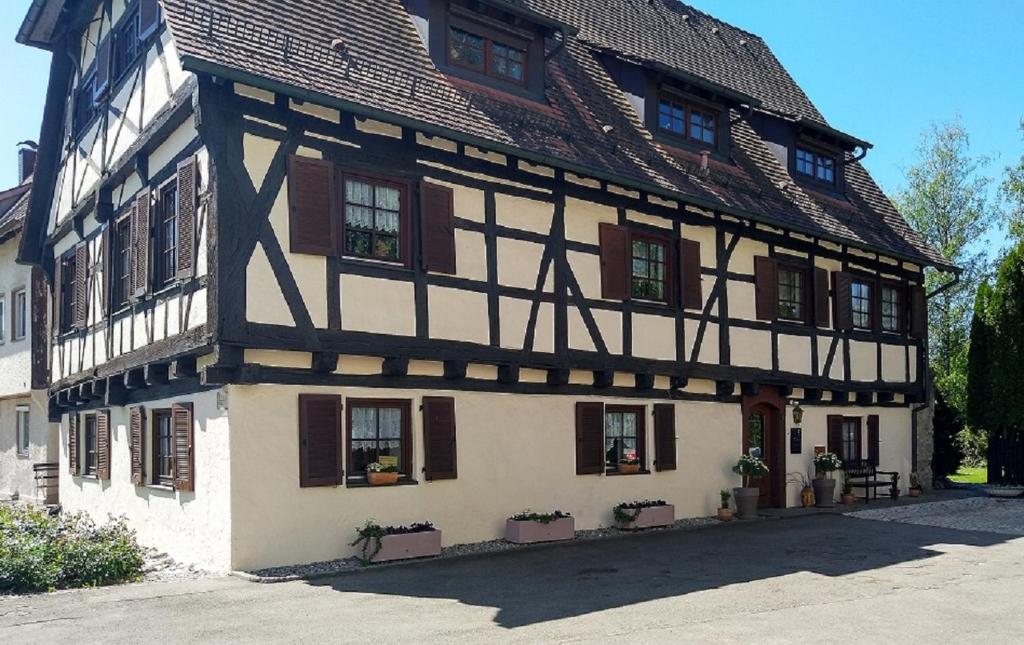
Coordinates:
(320, 440)
(766, 288)
(136, 433)
(843, 297)
(141, 224)
(615, 254)
(821, 313)
(187, 203)
(874, 440)
(589, 438)
(58, 277)
(102, 80)
(183, 447)
(439, 438)
(835, 435)
(311, 206)
(690, 274)
(149, 18)
(664, 436)
(437, 227)
(108, 270)
(103, 444)
(918, 313)
(81, 294)
(73, 443)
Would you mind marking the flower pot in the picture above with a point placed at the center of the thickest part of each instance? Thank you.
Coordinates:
(807, 497)
(849, 499)
(746, 502)
(824, 493)
(650, 517)
(530, 532)
(407, 546)
(725, 515)
(382, 479)
(915, 492)
(629, 469)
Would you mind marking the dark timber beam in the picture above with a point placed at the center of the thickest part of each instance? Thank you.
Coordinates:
(644, 381)
(54, 412)
(117, 393)
(62, 399)
(455, 370)
(785, 391)
(886, 397)
(557, 376)
(216, 375)
(134, 379)
(750, 389)
(604, 378)
(184, 367)
(865, 398)
(680, 382)
(508, 374)
(74, 396)
(85, 391)
(724, 388)
(395, 367)
(325, 362)
(156, 374)
(812, 395)
(839, 396)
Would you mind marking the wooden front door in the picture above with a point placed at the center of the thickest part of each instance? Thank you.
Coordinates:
(764, 437)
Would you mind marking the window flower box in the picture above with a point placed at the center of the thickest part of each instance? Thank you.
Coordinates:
(634, 516)
(530, 528)
(385, 544)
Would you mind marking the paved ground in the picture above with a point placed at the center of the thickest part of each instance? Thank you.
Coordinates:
(822, 579)
(1003, 516)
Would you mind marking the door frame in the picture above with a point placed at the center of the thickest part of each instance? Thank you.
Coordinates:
(771, 400)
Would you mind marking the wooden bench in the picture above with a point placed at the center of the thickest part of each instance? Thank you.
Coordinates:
(863, 474)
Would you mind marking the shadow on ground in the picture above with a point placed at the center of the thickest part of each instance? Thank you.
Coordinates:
(535, 586)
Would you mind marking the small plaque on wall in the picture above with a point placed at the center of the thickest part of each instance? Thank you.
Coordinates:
(796, 441)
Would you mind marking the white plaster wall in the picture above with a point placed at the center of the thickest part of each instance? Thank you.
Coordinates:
(15, 355)
(16, 474)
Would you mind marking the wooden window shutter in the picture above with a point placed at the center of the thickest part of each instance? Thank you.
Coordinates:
(149, 18)
(108, 270)
(58, 271)
(320, 440)
(842, 284)
(101, 82)
(141, 224)
(136, 430)
(187, 205)
(918, 312)
(73, 443)
(439, 443)
(103, 444)
(81, 294)
(313, 226)
(766, 288)
(690, 274)
(835, 435)
(821, 313)
(183, 447)
(589, 438)
(874, 440)
(615, 257)
(437, 227)
(664, 436)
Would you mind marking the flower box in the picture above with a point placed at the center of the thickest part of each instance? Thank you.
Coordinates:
(531, 531)
(650, 517)
(406, 546)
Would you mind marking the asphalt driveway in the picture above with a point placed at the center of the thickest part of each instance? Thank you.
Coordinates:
(819, 579)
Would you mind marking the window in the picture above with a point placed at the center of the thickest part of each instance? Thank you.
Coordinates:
(127, 45)
(68, 283)
(892, 309)
(694, 123)
(121, 264)
(3, 319)
(20, 312)
(755, 435)
(650, 269)
(623, 436)
(816, 165)
(22, 430)
(85, 106)
(792, 294)
(860, 301)
(166, 255)
(851, 440)
(375, 216)
(90, 445)
(163, 448)
(378, 432)
(487, 55)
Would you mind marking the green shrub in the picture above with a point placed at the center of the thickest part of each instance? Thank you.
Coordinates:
(40, 552)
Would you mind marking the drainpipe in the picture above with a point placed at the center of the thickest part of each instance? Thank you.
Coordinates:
(559, 47)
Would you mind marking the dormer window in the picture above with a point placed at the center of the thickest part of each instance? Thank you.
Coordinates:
(816, 165)
(696, 124)
(487, 55)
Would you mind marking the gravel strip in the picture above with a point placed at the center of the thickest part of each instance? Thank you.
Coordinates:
(1003, 516)
(349, 565)
(160, 567)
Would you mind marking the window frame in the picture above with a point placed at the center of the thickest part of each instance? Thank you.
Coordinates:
(483, 29)
(405, 466)
(3, 318)
(858, 443)
(405, 189)
(806, 304)
(120, 65)
(167, 196)
(19, 314)
(669, 262)
(872, 313)
(901, 307)
(22, 430)
(90, 444)
(157, 457)
(120, 248)
(81, 119)
(689, 106)
(68, 303)
(817, 157)
(641, 436)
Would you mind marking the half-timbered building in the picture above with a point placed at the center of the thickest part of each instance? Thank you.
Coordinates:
(500, 245)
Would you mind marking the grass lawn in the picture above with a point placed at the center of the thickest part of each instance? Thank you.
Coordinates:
(971, 476)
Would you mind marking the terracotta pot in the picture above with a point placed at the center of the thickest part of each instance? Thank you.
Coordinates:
(629, 469)
(382, 479)
(915, 492)
(650, 517)
(529, 532)
(725, 514)
(408, 546)
(807, 497)
(824, 493)
(746, 502)
(849, 499)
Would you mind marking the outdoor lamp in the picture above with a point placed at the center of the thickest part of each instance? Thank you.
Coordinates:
(798, 414)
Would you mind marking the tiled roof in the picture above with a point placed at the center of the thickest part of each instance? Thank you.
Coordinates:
(13, 211)
(386, 69)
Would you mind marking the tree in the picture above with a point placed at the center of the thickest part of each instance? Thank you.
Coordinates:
(946, 426)
(946, 199)
(1012, 192)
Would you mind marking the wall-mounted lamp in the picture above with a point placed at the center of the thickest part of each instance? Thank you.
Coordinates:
(798, 413)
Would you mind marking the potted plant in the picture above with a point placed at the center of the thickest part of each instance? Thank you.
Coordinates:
(385, 543)
(748, 467)
(381, 475)
(645, 514)
(806, 491)
(528, 527)
(848, 498)
(826, 463)
(915, 490)
(629, 464)
(724, 512)
(894, 489)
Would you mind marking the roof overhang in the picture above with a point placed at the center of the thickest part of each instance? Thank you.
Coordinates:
(41, 23)
(830, 135)
(516, 8)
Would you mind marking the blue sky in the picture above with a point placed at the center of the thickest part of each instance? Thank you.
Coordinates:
(878, 69)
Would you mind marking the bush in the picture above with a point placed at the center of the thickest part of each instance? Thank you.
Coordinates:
(947, 455)
(40, 552)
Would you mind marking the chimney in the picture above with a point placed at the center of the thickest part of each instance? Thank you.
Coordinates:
(26, 160)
